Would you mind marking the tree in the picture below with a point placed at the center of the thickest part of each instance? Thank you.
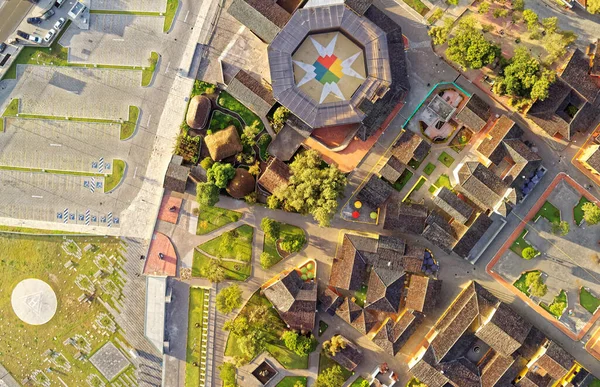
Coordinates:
(436, 15)
(312, 189)
(293, 243)
(560, 228)
(251, 198)
(290, 339)
(273, 202)
(556, 44)
(534, 283)
(518, 5)
(271, 228)
(529, 253)
(214, 272)
(254, 168)
(249, 134)
(220, 174)
(557, 308)
(531, 18)
(333, 346)
(206, 163)
(301, 384)
(483, 7)
(541, 87)
(524, 78)
(591, 213)
(267, 260)
(207, 194)
(469, 48)
(550, 24)
(331, 377)
(452, 2)
(279, 118)
(500, 12)
(593, 6)
(229, 298)
(227, 373)
(439, 34)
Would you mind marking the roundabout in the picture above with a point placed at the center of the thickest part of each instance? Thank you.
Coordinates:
(34, 302)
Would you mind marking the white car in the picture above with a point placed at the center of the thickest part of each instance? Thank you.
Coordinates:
(35, 39)
(49, 35)
(59, 24)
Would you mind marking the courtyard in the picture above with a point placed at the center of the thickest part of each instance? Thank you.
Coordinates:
(566, 264)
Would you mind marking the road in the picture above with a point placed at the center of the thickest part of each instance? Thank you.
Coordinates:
(12, 13)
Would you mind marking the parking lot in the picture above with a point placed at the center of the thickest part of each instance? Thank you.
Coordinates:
(61, 145)
(130, 5)
(79, 92)
(125, 40)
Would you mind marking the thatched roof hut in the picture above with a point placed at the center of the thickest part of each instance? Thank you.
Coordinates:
(198, 112)
(223, 143)
(241, 185)
(276, 175)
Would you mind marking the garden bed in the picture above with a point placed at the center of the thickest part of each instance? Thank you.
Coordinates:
(228, 102)
(272, 247)
(558, 305)
(578, 211)
(220, 121)
(237, 245)
(442, 181)
(402, 180)
(521, 244)
(462, 138)
(548, 211)
(520, 283)
(446, 159)
(429, 168)
(588, 300)
(212, 218)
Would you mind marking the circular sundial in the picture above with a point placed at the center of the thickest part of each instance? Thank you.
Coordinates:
(34, 301)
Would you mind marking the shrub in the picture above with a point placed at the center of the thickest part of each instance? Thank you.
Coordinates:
(267, 260)
(206, 163)
(279, 118)
(531, 18)
(220, 174)
(518, 5)
(293, 243)
(500, 12)
(251, 198)
(591, 213)
(271, 228)
(484, 7)
(436, 15)
(529, 253)
(188, 147)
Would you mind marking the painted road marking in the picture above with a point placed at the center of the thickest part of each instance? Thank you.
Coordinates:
(66, 215)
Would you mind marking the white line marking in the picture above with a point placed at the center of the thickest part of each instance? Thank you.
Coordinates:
(119, 40)
(148, 123)
(55, 144)
(37, 196)
(135, 172)
(167, 69)
(186, 15)
(232, 42)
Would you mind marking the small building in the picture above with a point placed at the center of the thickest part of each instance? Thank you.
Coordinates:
(349, 267)
(423, 293)
(405, 218)
(591, 158)
(392, 170)
(276, 175)
(441, 233)
(375, 192)
(469, 239)
(349, 356)
(252, 93)
(452, 205)
(241, 185)
(224, 143)
(177, 175)
(393, 335)
(264, 18)
(410, 146)
(330, 300)
(484, 188)
(475, 114)
(385, 290)
(360, 319)
(198, 112)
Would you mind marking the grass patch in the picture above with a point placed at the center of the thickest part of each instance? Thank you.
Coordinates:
(44, 257)
(595, 383)
(429, 168)
(220, 121)
(263, 143)
(358, 382)
(361, 296)
(234, 244)
(128, 127)
(403, 180)
(194, 336)
(12, 109)
(415, 164)
(172, 6)
(413, 382)
(292, 381)
(148, 72)
(233, 270)
(227, 101)
(588, 300)
(270, 245)
(578, 211)
(442, 181)
(550, 212)
(560, 299)
(418, 6)
(322, 327)
(27, 230)
(326, 362)
(520, 283)
(112, 181)
(446, 159)
(201, 87)
(520, 244)
(273, 333)
(212, 218)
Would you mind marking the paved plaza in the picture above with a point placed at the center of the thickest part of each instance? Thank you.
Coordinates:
(109, 361)
(130, 5)
(125, 40)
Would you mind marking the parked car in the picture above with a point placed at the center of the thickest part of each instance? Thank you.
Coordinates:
(49, 35)
(48, 14)
(59, 24)
(2, 47)
(59, 3)
(34, 20)
(23, 34)
(35, 39)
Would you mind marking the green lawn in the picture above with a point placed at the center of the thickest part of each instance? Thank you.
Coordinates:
(403, 180)
(520, 283)
(233, 270)
(275, 345)
(112, 181)
(520, 244)
(418, 6)
(240, 246)
(561, 298)
(415, 164)
(361, 295)
(201, 87)
(595, 383)
(44, 257)
(128, 127)
(446, 159)
(263, 143)
(588, 300)
(220, 121)
(290, 381)
(227, 101)
(170, 14)
(357, 382)
(326, 362)
(12, 109)
(26, 230)
(269, 244)
(442, 181)
(148, 72)
(429, 168)
(322, 327)
(550, 212)
(578, 212)
(194, 337)
(212, 218)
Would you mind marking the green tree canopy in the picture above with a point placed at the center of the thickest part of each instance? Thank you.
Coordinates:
(249, 134)
(267, 260)
(229, 298)
(518, 5)
(293, 243)
(535, 284)
(561, 228)
(271, 228)
(333, 346)
(591, 213)
(593, 6)
(524, 77)
(207, 194)
(469, 48)
(331, 377)
(214, 271)
(280, 116)
(220, 174)
(313, 188)
(227, 373)
(556, 44)
(531, 18)
(529, 252)
(206, 163)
